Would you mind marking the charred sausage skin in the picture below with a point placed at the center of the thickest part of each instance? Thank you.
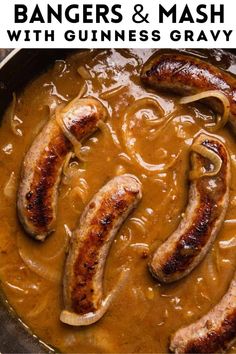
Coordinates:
(184, 74)
(43, 163)
(204, 215)
(213, 333)
(91, 242)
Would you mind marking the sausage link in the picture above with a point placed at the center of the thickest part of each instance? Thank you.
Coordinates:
(186, 75)
(91, 242)
(43, 163)
(213, 333)
(204, 215)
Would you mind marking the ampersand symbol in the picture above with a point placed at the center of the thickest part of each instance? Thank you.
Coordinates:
(138, 13)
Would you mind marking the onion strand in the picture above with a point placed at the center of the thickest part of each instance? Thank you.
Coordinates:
(75, 319)
(210, 155)
(76, 144)
(114, 91)
(129, 139)
(14, 120)
(221, 120)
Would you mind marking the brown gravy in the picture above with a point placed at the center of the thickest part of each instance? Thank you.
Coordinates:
(144, 314)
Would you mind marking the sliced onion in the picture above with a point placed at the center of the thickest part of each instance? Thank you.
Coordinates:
(76, 144)
(212, 269)
(83, 90)
(120, 170)
(113, 92)
(139, 223)
(210, 155)
(125, 157)
(79, 191)
(138, 105)
(228, 243)
(140, 246)
(230, 221)
(74, 319)
(39, 308)
(163, 167)
(67, 162)
(109, 133)
(72, 174)
(14, 120)
(221, 120)
(166, 120)
(84, 73)
(78, 186)
(129, 139)
(10, 187)
(68, 231)
(37, 259)
(40, 269)
(124, 241)
(15, 288)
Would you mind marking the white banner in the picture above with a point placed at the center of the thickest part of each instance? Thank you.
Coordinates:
(117, 24)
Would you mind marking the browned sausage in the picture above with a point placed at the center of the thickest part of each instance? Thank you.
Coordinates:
(90, 245)
(184, 74)
(204, 215)
(42, 165)
(213, 333)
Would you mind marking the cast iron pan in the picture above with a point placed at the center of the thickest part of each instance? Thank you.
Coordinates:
(18, 68)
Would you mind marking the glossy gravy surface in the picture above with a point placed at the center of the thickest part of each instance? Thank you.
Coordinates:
(144, 313)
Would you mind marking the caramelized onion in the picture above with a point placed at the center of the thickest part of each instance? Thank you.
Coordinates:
(129, 139)
(166, 119)
(221, 120)
(163, 167)
(78, 185)
(210, 155)
(72, 174)
(84, 73)
(81, 192)
(39, 268)
(212, 267)
(124, 241)
(14, 120)
(143, 247)
(37, 259)
(39, 308)
(228, 243)
(120, 170)
(143, 103)
(113, 92)
(67, 162)
(76, 144)
(139, 223)
(83, 90)
(110, 135)
(10, 187)
(75, 319)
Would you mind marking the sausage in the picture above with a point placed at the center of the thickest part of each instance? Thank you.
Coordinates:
(204, 215)
(43, 163)
(186, 75)
(91, 242)
(213, 333)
